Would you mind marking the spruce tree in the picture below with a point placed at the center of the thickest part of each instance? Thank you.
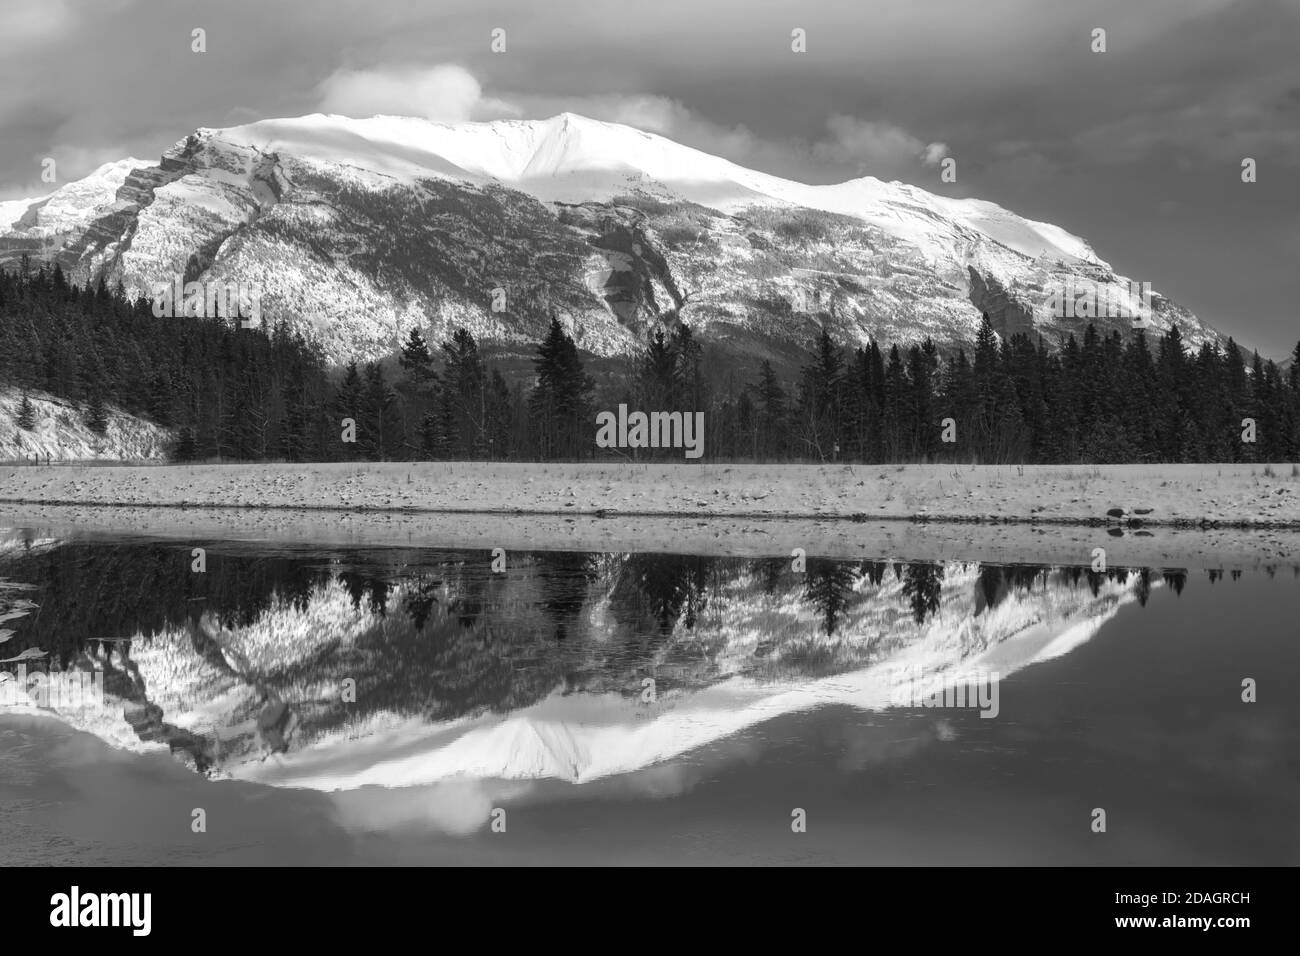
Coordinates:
(26, 414)
(986, 365)
(772, 412)
(379, 428)
(690, 387)
(560, 403)
(415, 358)
(921, 435)
(186, 449)
(348, 403)
(821, 394)
(828, 586)
(657, 378)
(745, 421)
(896, 413)
(97, 415)
(499, 423)
(463, 396)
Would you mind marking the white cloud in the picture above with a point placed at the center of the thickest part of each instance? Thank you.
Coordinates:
(934, 153)
(874, 147)
(446, 93)
(449, 93)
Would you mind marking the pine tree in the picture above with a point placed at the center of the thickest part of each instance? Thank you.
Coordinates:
(895, 416)
(957, 401)
(1139, 388)
(744, 420)
(657, 378)
(772, 412)
(1172, 416)
(1293, 387)
(415, 358)
(186, 448)
(690, 387)
(418, 390)
(26, 414)
(920, 426)
(499, 422)
(349, 403)
(559, 404)
(161, 399)
(828, 586)
(986, 364)
(462, 397)
(379, 428)
(97, 415)
(821, 397)
(923, 587)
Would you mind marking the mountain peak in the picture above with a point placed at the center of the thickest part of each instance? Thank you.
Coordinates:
(573, 158)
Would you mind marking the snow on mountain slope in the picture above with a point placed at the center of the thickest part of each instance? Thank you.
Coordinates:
(535, 154)
(75, 205)
(357, 229)
(11, 210)
(572, 159)
(60, 432)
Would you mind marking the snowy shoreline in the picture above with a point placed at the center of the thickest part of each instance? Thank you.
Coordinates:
(1048, 515)
(1240, 495)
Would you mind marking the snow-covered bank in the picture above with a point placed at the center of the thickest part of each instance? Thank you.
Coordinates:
(1192, 548)
(59, 431)
(1247, 495)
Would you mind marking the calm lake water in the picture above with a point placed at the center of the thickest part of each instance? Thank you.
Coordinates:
(428, 706)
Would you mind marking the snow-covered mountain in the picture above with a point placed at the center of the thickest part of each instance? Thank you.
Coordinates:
(355, 230)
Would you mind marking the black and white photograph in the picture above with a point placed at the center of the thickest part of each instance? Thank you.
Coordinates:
(697, 434)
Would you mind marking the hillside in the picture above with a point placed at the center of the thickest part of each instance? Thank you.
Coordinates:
(60, 432)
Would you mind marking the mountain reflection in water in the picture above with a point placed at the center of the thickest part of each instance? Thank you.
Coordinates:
(297, 652)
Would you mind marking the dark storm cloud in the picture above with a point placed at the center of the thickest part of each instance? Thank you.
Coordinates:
(1137, 149)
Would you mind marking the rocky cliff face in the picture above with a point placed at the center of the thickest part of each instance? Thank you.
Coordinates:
(356, 230)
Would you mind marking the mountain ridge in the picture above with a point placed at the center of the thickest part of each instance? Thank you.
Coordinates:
(356, 230)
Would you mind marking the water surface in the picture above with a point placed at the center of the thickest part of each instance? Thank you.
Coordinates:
(344, 705)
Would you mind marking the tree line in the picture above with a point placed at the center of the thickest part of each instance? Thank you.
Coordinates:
(1107, 399)
(260, 394)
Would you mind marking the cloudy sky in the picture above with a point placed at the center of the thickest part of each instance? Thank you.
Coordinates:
(1138, 149)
